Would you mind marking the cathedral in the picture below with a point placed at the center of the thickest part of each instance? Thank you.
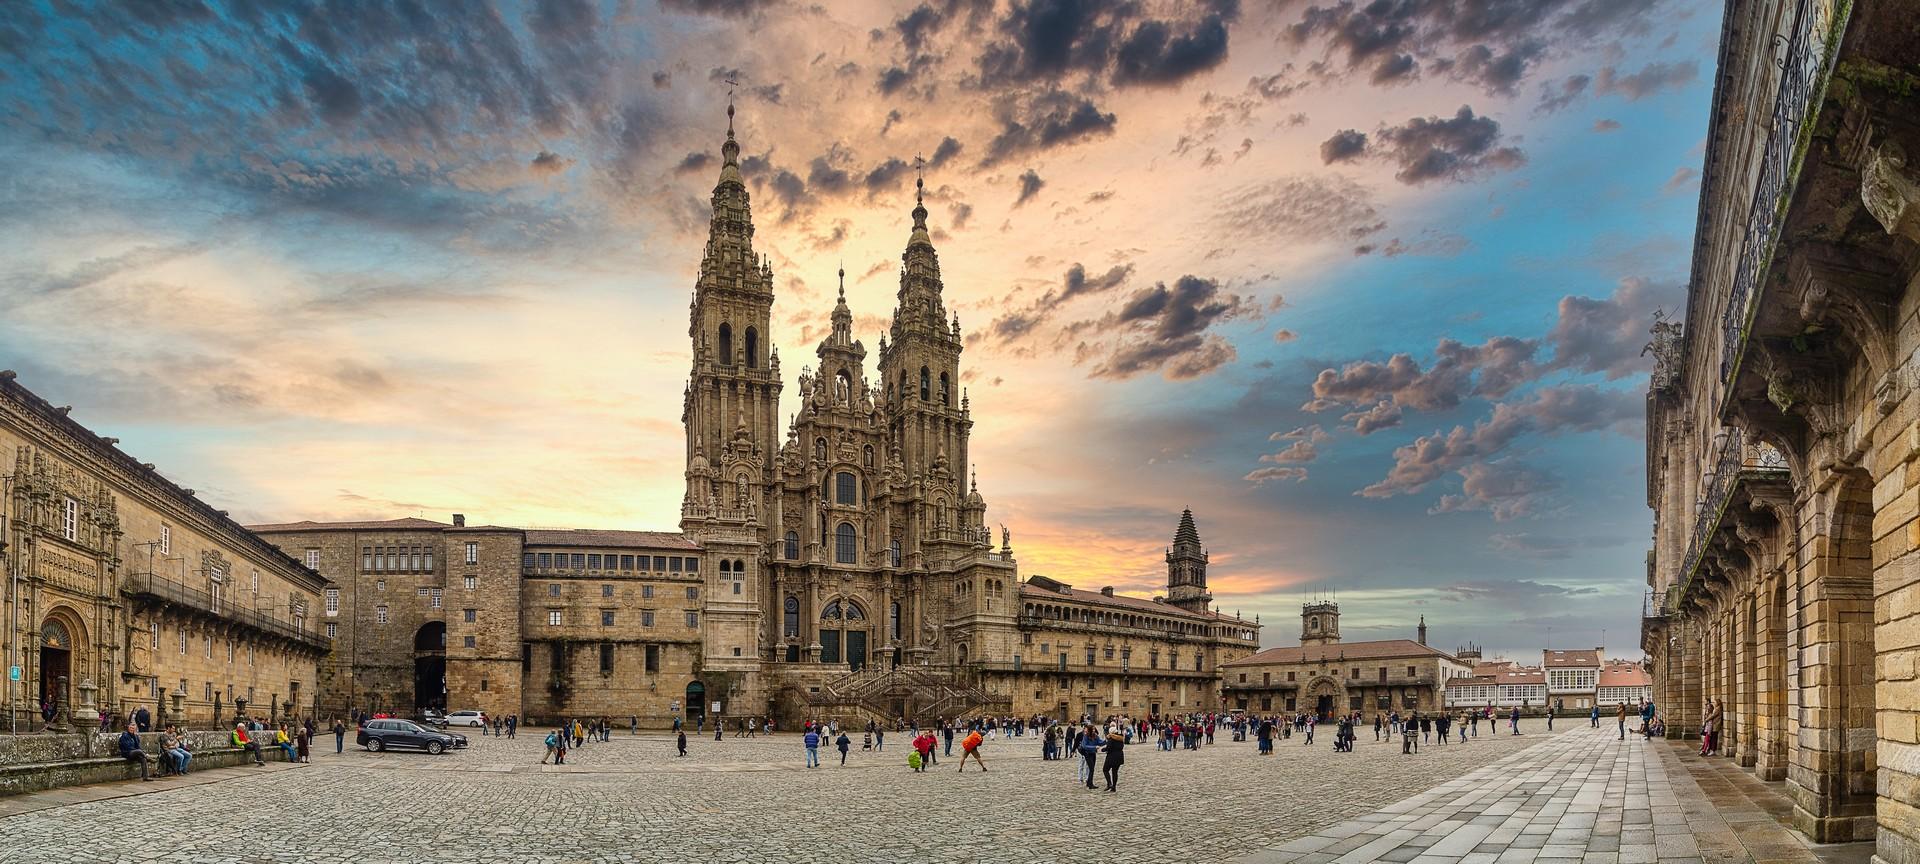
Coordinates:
(841, 566)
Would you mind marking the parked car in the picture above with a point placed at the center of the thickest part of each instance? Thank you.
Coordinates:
(379, 735)
(432, 717)
(463, 718)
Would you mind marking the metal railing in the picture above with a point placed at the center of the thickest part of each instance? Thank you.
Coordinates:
(1803, 72)
(1737, 459)
(187, 597)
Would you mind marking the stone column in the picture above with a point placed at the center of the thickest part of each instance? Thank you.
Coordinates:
(1747, 728)
(1683, 712)
(1771, 684)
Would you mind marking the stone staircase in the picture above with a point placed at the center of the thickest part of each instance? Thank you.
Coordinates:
(922, 693)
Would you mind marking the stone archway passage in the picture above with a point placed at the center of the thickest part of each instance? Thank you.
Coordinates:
(56, 661)
(430, 666)
(696, 702)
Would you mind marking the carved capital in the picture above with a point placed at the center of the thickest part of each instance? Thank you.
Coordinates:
(1890, 191)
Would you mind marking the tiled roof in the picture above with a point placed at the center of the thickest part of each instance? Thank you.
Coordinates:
(620, 539)
(407, 524)
(1470, 680)
(1122, 601)
(1562, 659)
(1628, 675)
(1381, 649)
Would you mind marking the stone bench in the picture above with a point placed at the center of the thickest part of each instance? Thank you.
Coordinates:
(38, 776)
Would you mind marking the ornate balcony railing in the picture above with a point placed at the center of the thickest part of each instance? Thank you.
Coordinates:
(1809, 57)
(1737, 459)
(185, 597)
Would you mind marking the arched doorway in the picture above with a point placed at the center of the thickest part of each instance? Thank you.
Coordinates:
(843, 625)
(430, 666)
(696, 703)
(1323, 695)
(56, 660)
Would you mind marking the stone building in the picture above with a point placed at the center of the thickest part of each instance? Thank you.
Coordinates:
(810, 566)
(1573, 677)
(122, 590)
(1781, 431)
(1326, 677)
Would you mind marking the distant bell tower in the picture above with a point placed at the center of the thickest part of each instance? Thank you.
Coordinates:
(1187, 568)
(1320, 623)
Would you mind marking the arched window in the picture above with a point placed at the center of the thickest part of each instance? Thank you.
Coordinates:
(793, 546)
(924, 394)
(946, 393)
(894, 553)
(753, 349)
(855, 613)
(832, 612)
(846, 490)
(820, 449)
(726, 345)
(726, 566)
(790, 625)
(843, 544)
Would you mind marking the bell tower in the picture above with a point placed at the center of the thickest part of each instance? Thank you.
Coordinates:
(1320, 623)
(1187, 568)
(920, 367)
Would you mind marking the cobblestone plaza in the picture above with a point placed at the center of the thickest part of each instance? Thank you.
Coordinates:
(1577, 795)
(631, 799)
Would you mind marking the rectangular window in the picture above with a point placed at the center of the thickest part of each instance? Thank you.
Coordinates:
(313, 559)
(646, 617)
(646, 592)
(1290, 678)
(553, 590)
(333, 601)
(380, 585)
(183, 640)
(693, 593)
(209, 691)
(333, 630)
(429, 557)
(166, 540)
(366, 559)
(470, 615)
(467, 641)
(673, 565)
(1383, 673)
(546, 560)
(593, 562)
(473, 553)
(737, 585)
(579, 560)
(659, 563)
(70, 519)
(380, 614)
(606, 590)
(421, 591)
(472, 582)
(606, 617)
(626, 562)
(693, 619)
(1265, 678)
(606, 658)
(553, 617)
(435, 601)
(693, 565)
(526, 560)
(1411, 672)
(653, 658)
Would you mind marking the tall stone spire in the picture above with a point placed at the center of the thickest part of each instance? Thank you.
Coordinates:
(1187, 567)
(920, 365)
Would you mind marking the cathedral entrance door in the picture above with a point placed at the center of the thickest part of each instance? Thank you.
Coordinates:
(696, 703)
(856, 649)
(1323, 707)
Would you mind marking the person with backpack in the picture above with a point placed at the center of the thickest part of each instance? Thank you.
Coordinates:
(970, 746)
(812, 741)
(553, 743)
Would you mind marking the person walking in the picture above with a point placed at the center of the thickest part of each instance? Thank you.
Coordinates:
(1116, 751)
(633, 724)
(1089, 749)
(946, 732)
(304, 742)
(339, 737)
(681, 737)
(812, 742)
(1623, 721)
(845, 743)
(970, 746)
(1514, 718)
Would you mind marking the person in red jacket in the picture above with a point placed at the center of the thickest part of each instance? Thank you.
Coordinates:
(924, 746)
(247, 745)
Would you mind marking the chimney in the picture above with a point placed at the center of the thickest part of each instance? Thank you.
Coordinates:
(1107, 591)
(459, 520)
(1423, 629)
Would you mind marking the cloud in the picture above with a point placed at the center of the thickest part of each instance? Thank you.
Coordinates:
(948, 148)
(1030, 185)
(1301, 208)
(1284, 336)
(1507, 489)
(1607, 335)
(1155, 55)
(1049, 40)
(1034, 123)
(1454, 149)
(1606, 124)
(1017, 324)
(717, 8)
(1555, 96)
(1542, 548)
(1491, 369)
(1683, 177)
(1166, 329)
(1383, 415)
(1346, 145)
(548, 162)
(1651, 79)
(1260, 476)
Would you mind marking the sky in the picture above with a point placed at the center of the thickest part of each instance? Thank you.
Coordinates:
(1365, 285)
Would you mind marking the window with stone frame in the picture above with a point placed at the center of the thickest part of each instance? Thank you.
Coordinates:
(646, 617)
(468, 642)
(379, 614)
(553, 617)
(473, 553)
(470, 615)
(70, 520)
(606, 617)
(845, 544)
(313, 559)
(472, 582)
(693, 619)
(653, 658)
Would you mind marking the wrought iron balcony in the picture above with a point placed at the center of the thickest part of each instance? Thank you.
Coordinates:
(1809, 57)
(156, 589)
(1738, 461)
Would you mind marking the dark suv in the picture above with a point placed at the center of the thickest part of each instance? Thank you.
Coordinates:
(378, 735)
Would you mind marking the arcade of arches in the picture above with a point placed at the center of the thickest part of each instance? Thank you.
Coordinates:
(1783, 450)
